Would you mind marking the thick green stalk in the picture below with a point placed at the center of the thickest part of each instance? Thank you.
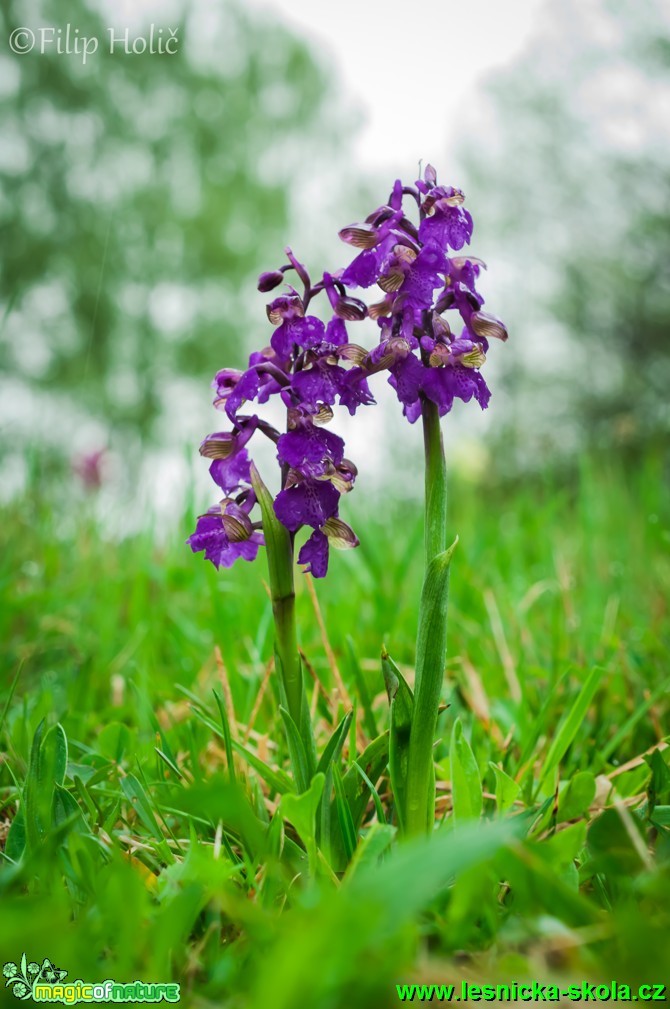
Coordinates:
(279, 550)
(286, 643)
(431, 643)
(435, 482)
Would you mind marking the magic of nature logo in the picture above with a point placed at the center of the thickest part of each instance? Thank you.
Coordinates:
(45, 983)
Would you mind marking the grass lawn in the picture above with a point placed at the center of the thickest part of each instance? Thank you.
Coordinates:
(166, 843)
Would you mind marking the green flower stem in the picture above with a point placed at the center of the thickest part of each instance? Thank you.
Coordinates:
(283, 612)
(435, 482)
(432, 634)
(279, 549)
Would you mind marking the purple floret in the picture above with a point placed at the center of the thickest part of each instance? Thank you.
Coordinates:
(443, 385)
(308, 449)
(301, 332)
(422, 277)
(319, 384)
(223, 548)
(310, 503)
(232, 473)
(314, 553)
(451, 227)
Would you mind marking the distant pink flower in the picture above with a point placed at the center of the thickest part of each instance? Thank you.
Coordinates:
(89, 467)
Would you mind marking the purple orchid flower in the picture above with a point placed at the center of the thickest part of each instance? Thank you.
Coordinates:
(423, 282)
(226, 533)
(306, 367)
(312, 367)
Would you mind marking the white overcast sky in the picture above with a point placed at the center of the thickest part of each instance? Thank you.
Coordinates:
(411, 69)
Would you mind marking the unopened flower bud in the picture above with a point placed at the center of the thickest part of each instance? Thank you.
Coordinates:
(268, 281)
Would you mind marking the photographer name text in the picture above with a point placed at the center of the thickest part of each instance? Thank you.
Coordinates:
(69, 41)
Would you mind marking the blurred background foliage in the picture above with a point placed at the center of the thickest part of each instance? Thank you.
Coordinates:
(140, 196)
(570, 177)
(140, 193)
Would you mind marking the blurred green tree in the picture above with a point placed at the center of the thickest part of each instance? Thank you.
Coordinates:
(570, 173)
(138, 191)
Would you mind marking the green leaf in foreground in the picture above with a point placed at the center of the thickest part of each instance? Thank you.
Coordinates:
(576, 797)
(301, 811)
(507, 789)
(364, 920)
(46, 772)
(466, 786)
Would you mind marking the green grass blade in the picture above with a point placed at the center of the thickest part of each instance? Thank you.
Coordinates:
(10, 695)
(402, 708)
(140, 802)
(379, 809)
(301, 810)
(297, 752)
(344, 816)
(334, 746)
(170, 764)
(226, 736)
(570, 725)
(274, 776)
(369, 720)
